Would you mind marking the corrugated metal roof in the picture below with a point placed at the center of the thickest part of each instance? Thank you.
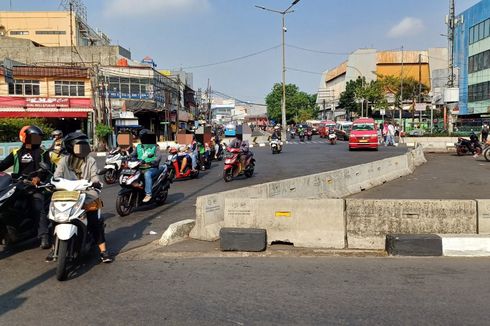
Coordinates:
(66, 72)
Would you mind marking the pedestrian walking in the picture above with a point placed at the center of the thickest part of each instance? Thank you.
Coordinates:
(390, 137)
(484, 132)
(385, 132)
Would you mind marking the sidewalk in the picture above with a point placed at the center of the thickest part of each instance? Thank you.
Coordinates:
(444, 176)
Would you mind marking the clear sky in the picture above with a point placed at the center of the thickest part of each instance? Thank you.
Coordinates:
(186, 33)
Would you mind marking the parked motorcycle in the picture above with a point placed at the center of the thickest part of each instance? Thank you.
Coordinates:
(17, 223)
(174, 162)
(233, 168)
(133, 187)
(112, 166)
(467, 146)
(68, 213)
(276, 146)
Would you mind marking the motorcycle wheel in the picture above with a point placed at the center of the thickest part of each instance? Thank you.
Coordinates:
(110, 176)
(486, 154)
(123, 206)
(459, 151)
(250, 171)
(62, 260)
(478, 151)
(228, 175)
(195, 175)
(162, 197)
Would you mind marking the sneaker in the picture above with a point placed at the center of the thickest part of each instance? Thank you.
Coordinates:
(45, 241)
(147, 198)
(50, 256)
(105, 257)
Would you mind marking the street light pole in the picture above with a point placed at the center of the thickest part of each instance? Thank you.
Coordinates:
(283, 13)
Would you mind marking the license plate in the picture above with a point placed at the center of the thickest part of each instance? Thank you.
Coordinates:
(363, 141)
(128, 171)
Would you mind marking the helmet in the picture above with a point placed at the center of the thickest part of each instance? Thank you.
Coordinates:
(173, 150)
(76, 143)
(276, 127)
(31, 135)
(182, 148)
(57, 133)
(147, 137)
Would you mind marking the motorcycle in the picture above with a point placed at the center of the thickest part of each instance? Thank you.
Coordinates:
(133, 188)
(292, 133)
(17, 223)
(174, 168)
(113, 166)
(68, 213)
(301, 135)
(233, 168)
(205, 157)
(467, 146)
(309, 134)
(276, 146)
(332, 137)
(216, 155)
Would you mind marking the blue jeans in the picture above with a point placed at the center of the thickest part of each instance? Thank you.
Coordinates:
(149, 175)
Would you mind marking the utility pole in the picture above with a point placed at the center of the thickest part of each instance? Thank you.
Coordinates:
(401, 94)
(420, 85)
(451, 25)
(283, 99)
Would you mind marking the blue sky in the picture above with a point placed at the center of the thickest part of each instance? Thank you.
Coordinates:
(184, 33)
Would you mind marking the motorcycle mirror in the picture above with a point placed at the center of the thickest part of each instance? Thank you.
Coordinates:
(44, 166)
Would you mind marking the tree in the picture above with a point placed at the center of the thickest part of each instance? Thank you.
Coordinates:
(299, 105)
(349, 99)
(10, 127)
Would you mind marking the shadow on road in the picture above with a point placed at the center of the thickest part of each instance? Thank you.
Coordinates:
(11, 300)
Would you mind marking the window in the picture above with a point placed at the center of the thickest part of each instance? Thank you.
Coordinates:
(486, 28)
(50, 32)
(69, 88)
(19, 33)
(24, 87)
(471, 36)
(479, 62)
(120, 87)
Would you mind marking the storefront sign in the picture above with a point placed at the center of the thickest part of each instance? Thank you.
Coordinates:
(46, 102)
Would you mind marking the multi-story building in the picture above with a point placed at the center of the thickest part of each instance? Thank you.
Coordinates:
(371, 63)
(472, 58)
(50, 28)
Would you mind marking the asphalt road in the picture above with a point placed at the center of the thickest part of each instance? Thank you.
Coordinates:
(252, 291)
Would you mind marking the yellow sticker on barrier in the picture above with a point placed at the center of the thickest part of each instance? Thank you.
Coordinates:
(283, 214)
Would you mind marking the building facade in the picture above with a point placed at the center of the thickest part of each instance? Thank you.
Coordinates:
(472, 58)
(371, 63)
(50, 28)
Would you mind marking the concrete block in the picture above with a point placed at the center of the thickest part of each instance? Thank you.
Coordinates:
(177, 232)
(459, 245)
(414, 245)
(370, 220)
(483, 216)
(243, 239)
(303, 222)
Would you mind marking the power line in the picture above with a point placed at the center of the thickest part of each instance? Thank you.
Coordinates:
(304, 71)
(234, 98)
(234, 59)
(331, 52)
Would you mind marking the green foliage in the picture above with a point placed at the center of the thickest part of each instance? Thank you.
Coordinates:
(299, 105)
(102, 131)
(349, 99)
(10, 127)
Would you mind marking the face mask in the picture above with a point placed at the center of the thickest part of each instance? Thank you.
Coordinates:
(81, 150)
(33, 139)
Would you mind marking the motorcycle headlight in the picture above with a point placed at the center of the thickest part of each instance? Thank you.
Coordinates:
(7, 194)
(78, 205)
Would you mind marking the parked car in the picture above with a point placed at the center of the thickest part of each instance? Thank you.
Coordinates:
(342, 129)
(324, 127)
(363, 134)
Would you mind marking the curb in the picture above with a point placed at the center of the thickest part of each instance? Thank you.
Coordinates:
(448, 245)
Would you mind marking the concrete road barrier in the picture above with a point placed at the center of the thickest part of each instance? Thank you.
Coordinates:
(370, 220)
(243, 239)
(414, 245)
(483, 216)
(332, 184)
(433, 144)
(303, 222)
(458, 245)
(177, 232)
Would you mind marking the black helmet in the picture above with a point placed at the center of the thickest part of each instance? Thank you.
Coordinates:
(147, 137)
(31, 135)
(73, 139)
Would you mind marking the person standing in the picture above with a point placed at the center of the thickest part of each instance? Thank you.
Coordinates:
(390, 139)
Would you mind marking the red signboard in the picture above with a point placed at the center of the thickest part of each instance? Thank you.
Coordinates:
(44, 102)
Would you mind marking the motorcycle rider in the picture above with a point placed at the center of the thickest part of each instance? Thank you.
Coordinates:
(244, 150)
(148, 152)
(79, 165)
(55, 151)
(26, 162)
(183, 158)
(277, 133)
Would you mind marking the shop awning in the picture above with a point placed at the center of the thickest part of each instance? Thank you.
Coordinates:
(44, 112)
